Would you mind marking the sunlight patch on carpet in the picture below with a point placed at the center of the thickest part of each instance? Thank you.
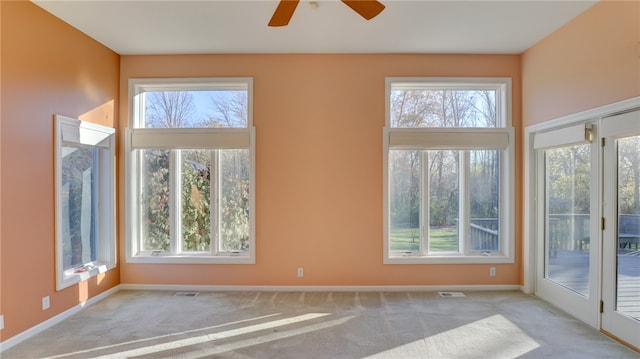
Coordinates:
(492, 337)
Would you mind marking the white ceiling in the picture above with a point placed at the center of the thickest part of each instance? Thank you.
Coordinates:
(240, 26)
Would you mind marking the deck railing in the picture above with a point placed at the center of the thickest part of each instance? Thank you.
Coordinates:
(566, 232)
(483, 237)
(571, 231)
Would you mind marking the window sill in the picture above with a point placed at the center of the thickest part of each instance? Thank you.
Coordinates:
(192, 259)
(77, 275)
(400, 259)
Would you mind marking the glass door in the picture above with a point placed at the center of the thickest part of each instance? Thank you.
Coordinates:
(621, 234)
(567, 230)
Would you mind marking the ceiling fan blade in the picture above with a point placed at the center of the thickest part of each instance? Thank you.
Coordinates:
(368, 9)
(283, 12)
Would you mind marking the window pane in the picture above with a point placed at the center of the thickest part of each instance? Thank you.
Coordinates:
(404, 200)
(154, 183)
(195, 109)
(484, 172)
(567, 189)
(444, 203)
(196, 194)
(443, 108)
(234, 199)
(79, 201)
(628, 260)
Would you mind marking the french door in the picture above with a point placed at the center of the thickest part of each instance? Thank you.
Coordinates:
(587, 222)
(567, 218)
(621, 233)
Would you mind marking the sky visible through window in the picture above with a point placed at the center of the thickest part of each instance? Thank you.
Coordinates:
(203, 105)
(196, 108)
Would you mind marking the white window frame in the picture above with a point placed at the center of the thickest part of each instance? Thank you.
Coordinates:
(500, 138)
(191, 138)
(70, 131)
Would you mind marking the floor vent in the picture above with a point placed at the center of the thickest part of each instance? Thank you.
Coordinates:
(451, 294)
(185, 294)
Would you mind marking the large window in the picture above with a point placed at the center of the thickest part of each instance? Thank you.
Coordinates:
(447, 150)
(85, 197)
(191, 171)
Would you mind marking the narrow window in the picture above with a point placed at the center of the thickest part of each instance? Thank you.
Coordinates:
(85, 197)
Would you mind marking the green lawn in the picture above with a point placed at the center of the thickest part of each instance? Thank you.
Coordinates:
(407, 239)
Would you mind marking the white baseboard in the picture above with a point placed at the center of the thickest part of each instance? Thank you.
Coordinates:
(320, 288)
(19, 338)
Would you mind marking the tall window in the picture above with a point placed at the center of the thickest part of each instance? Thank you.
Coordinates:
(191, 171)
(85, 197)
(448, 145)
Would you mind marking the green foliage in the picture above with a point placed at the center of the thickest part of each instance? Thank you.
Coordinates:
(155, 199)
(197, 178)
(404, 175)
(569, 179)
(440, 240)
(485, 184)
(235, 215)
(234, 201)
(196, 204)
(629, 175)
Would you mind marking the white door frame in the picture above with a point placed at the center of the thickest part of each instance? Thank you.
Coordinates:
(583, 306)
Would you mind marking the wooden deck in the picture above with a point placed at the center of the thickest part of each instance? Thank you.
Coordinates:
(629, 283)
(570, 269)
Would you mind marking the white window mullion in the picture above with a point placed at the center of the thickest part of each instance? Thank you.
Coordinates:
(138, 104)
(175, 205)
(138, 226)
(465, 203)
(424, 203)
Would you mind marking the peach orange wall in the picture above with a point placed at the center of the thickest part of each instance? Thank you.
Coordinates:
(592, 61)
(47, 68)
(319, 121)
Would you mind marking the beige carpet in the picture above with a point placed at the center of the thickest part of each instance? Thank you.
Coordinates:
(144, 324)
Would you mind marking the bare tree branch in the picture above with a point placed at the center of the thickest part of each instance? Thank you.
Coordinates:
(170, 109)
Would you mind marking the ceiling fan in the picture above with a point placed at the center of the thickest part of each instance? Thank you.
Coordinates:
(368, 9)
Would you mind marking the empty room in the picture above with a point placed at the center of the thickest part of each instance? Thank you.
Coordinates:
(319, 179)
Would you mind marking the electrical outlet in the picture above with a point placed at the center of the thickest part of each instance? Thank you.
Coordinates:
(492, 271)
(46, 303)
(300, 272)
(1, 322)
